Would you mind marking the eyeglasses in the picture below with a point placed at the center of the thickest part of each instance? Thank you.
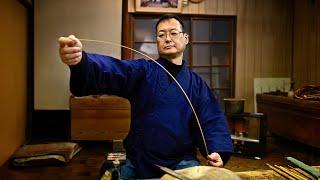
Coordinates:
(173, 34)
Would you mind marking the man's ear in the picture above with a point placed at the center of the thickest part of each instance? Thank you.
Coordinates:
(186, 36)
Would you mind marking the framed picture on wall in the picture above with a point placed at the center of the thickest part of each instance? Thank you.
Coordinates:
(159, 6)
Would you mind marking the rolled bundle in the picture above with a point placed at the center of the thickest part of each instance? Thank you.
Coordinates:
(310, 92)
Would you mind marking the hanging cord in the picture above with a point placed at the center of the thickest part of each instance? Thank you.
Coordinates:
(184, 93)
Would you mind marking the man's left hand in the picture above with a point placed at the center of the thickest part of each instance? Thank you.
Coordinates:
(214, 159)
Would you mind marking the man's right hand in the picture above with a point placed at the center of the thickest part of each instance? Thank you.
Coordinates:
(70, 50)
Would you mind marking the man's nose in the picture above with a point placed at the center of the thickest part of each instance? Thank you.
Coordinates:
(168, 37)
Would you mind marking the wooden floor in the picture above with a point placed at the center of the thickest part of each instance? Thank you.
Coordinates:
(87, 163)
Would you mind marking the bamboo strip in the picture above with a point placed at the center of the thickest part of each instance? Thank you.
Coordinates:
(297, 173)
(302, 172)
(291, 173)
(280, 172)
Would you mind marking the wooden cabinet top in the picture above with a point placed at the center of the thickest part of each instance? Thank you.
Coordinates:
(307, 106)
(99, 102)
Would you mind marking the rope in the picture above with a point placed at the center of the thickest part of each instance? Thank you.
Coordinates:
(310, 92)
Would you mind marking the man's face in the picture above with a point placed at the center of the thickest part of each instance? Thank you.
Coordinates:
(171, 41)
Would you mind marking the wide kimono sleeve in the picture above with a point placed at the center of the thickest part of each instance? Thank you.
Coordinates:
(99, 74)
(213, 124)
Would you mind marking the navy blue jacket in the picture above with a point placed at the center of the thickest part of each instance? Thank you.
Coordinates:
(163, 129)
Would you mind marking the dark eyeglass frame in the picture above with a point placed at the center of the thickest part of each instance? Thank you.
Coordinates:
(163, 34)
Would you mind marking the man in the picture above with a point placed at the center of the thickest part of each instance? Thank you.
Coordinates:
(163, 128)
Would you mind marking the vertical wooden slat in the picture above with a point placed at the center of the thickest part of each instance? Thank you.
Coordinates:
(268, 39)
(202, 7)
(312, 43)
(131, 6)
(295, 44)
(289, 41)
(250, 53)
(214, 6)
(257, 41)
(209, 5)
(317, 66)
(307, 17)
(219, 9)
(240, 49)
(276, 31)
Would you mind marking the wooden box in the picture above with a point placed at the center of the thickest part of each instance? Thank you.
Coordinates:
(99, 117)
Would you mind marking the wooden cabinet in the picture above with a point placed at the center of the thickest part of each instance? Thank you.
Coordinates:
(99, 117)
(291, 118)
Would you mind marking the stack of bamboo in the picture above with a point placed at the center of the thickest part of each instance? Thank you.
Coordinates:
(291, 173)
(304, 172)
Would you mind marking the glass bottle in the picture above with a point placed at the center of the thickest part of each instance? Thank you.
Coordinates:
(291, 90)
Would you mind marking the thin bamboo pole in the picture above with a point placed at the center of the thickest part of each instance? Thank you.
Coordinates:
(281, 173)
(291, 173)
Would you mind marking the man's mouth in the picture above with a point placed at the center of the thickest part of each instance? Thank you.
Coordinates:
(168, 47)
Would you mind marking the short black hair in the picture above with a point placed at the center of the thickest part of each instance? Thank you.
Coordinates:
(170, 16)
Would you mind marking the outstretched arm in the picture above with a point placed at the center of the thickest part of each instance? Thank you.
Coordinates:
(98, 74)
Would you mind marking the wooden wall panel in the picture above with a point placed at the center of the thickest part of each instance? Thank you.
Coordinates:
(100, 19)
(306, 67)
(13, 76)
(263, 38)
(263, 43)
